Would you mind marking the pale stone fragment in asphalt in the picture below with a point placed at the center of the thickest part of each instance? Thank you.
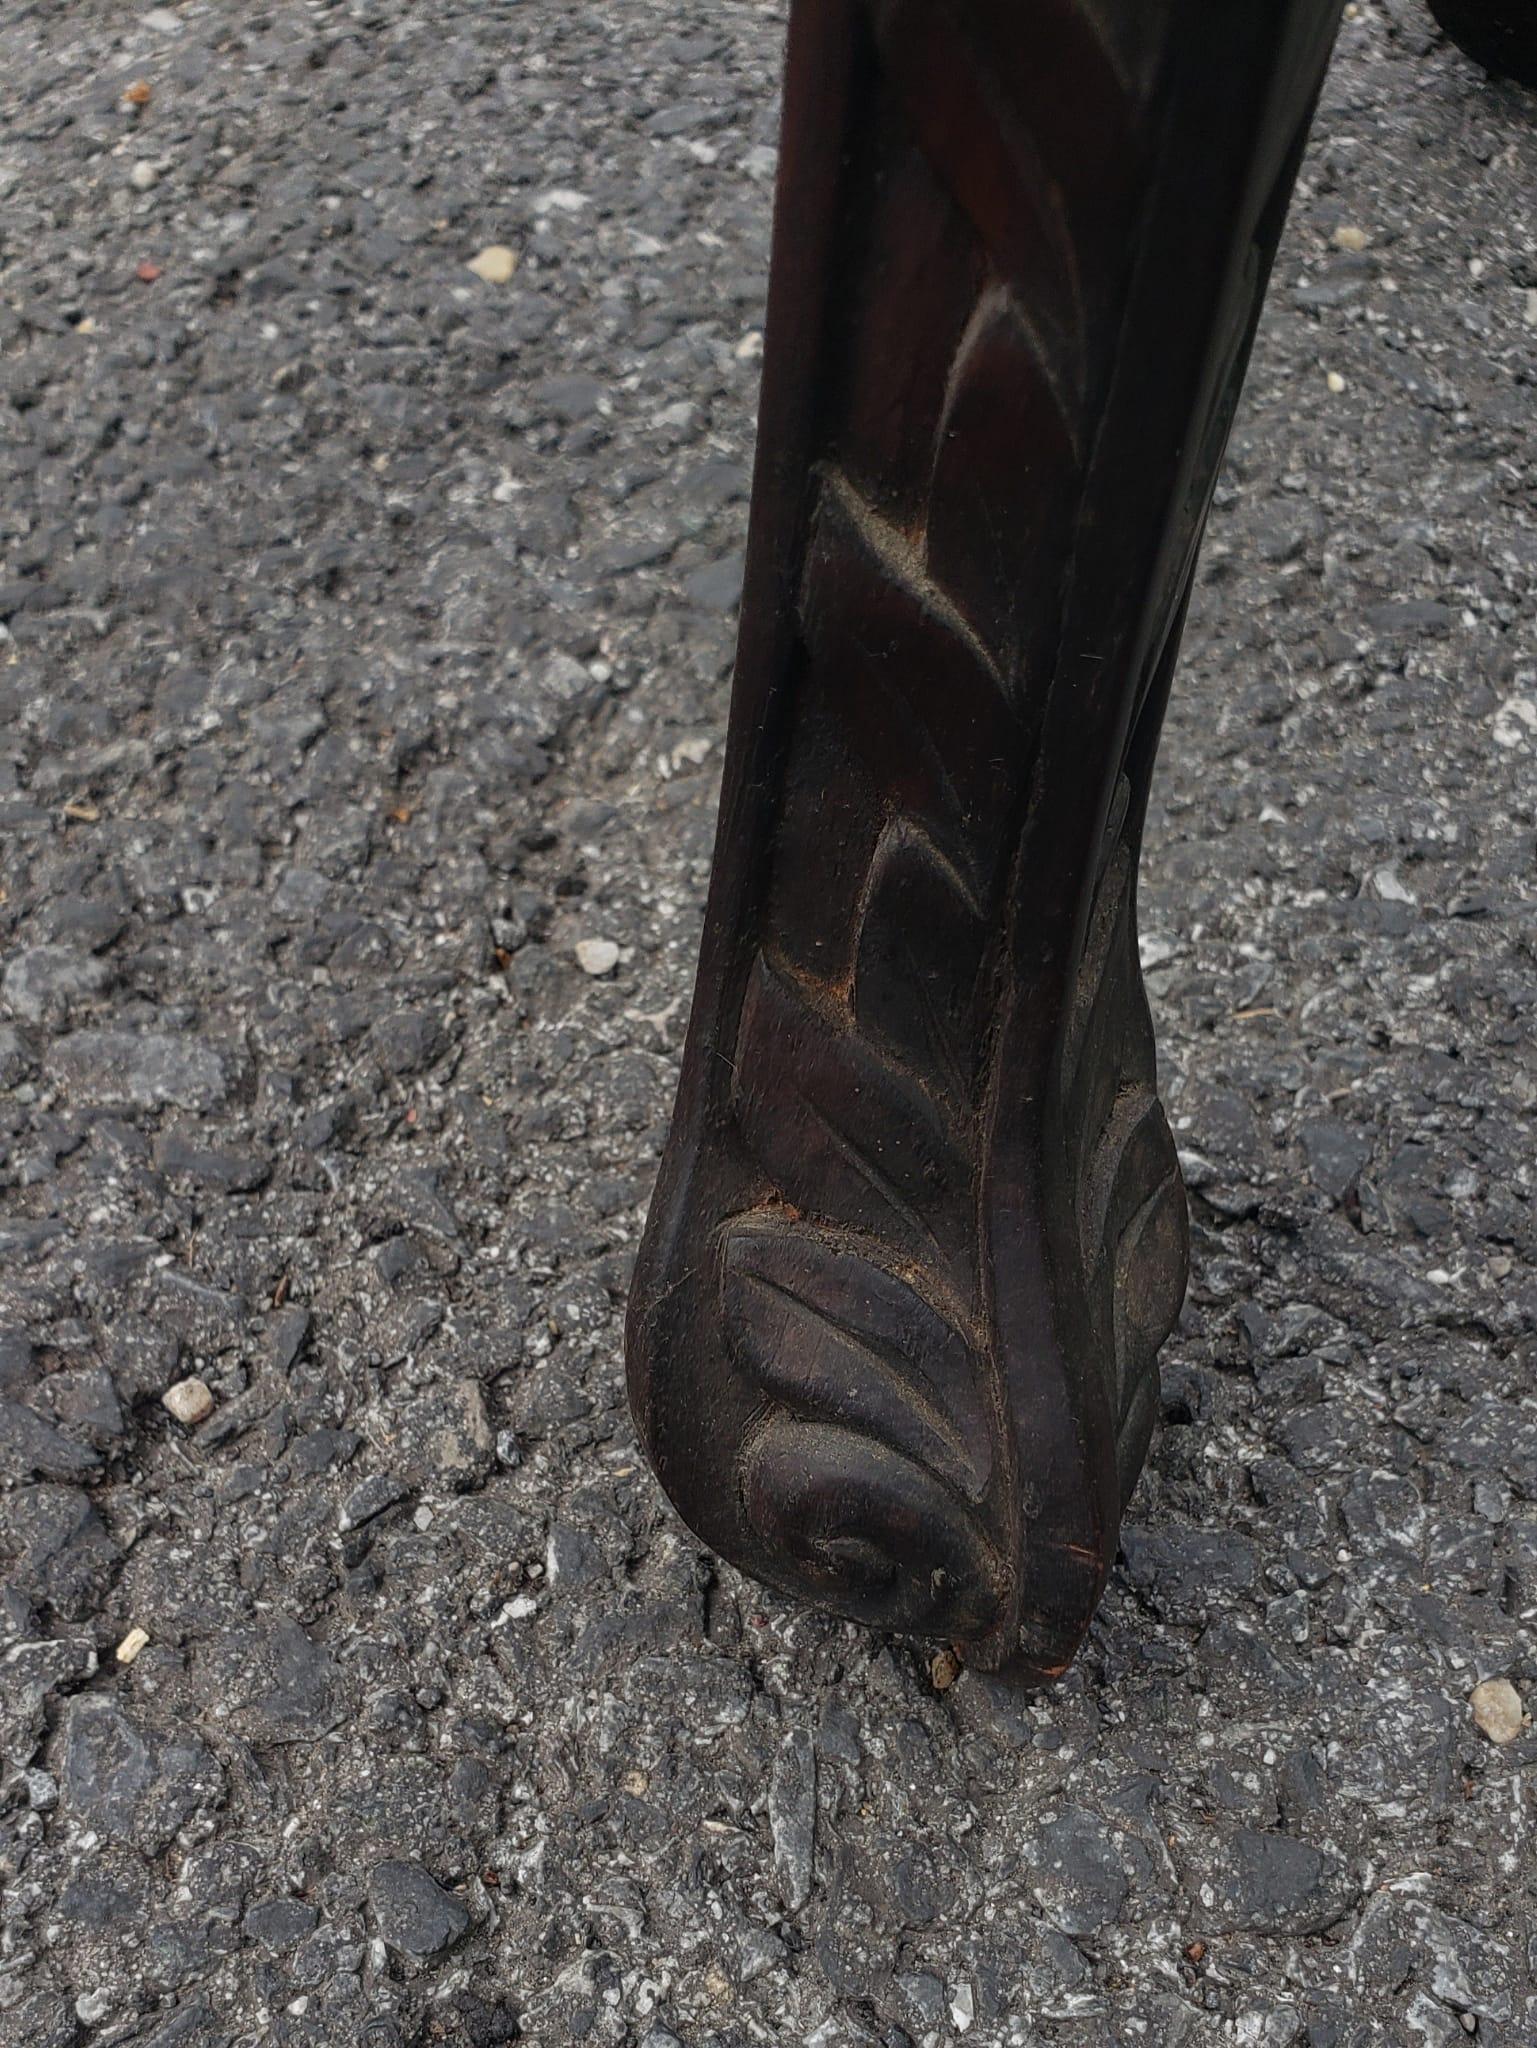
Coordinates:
(495, 265)
(190, 1401)
(597, 957)
(1497, 1710)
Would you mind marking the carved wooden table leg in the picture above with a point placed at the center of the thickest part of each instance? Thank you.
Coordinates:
(920, 1231)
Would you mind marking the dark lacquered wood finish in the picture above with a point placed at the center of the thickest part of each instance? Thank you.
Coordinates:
(919, 1231)
(1499, 34)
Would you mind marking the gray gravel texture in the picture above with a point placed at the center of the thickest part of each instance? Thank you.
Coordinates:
(367, 636)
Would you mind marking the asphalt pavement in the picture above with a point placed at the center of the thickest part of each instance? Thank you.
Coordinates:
(368, 600)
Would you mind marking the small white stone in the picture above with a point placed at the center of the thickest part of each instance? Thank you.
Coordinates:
(189, 1401)
(136, 1640)
(1353, 239)
(561, 200)
(1497, 1710)
(495, 265)
(42, 1790)
(143, 175)
(597, 957)
(1335, 382)
(1390, 888)
(91, 2007)
(165, 20)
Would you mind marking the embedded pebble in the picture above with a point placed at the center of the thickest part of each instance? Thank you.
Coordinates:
(1497, 1710)
(944, 1670)
(597, 957)
(496, 265)
(190, 1401)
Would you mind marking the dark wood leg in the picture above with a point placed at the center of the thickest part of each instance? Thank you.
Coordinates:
(1499, 34)
(919, 1231)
